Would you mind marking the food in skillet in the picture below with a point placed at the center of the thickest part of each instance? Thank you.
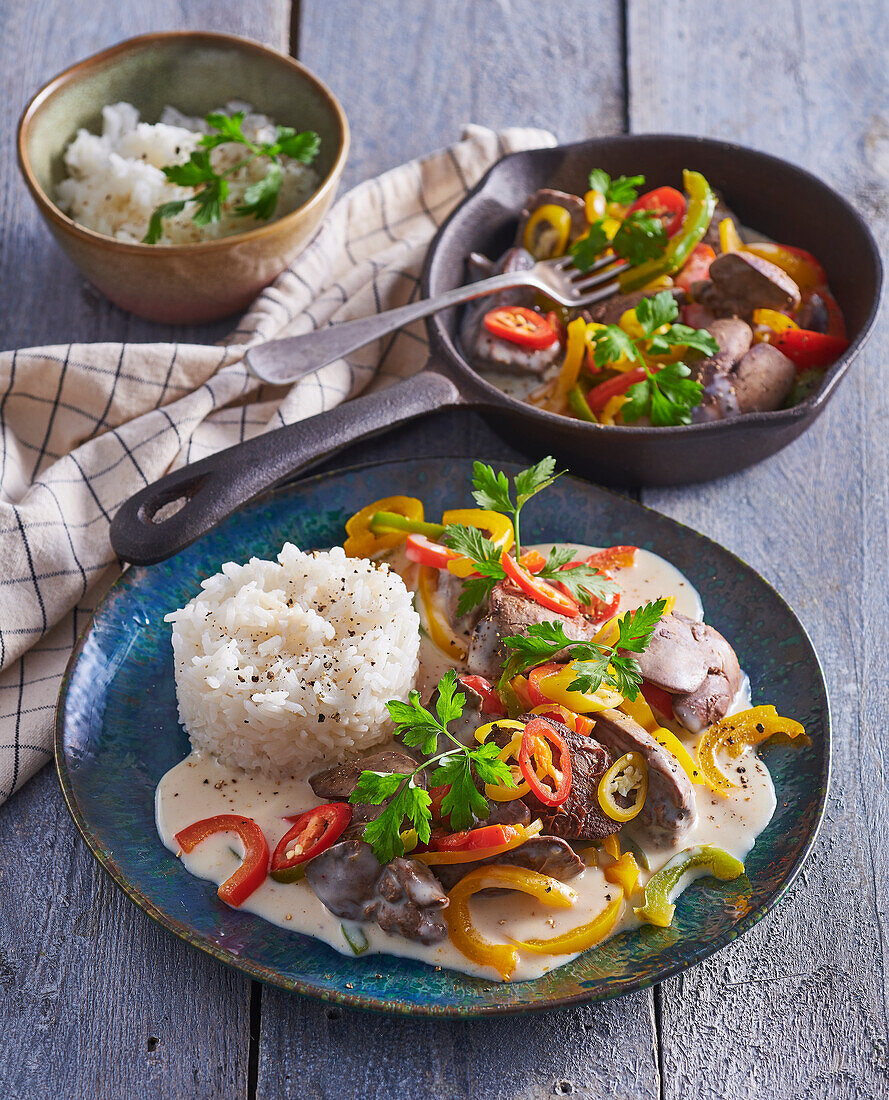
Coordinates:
(540, 756)
(706, 324)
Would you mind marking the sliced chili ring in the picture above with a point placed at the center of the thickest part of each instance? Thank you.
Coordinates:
(252, 872)
(520, 325)
(538, 728)
(608, 784)
(665, 203)
(313, 832)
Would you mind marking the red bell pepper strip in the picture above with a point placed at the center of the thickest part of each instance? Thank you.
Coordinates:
(470, 840)
(657, 699)
(697, 266)
(491, 701)
(313, 832)
(810, 349)
(424, 551)
(549, 796)
(535, 676)
(252, 872)
(600, 395)
(538, 589)
(665, 203)
(521, 325)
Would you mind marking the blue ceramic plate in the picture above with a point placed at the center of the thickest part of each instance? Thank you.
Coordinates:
(117, 733)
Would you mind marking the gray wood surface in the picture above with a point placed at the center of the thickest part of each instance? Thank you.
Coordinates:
(801, 1000)
(95, 1000)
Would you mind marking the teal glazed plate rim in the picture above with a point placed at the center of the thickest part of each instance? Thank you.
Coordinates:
(117, 732)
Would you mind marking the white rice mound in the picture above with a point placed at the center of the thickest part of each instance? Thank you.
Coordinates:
(115, 180)
(282, 666)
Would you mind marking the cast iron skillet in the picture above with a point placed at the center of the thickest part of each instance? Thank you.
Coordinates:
(782, 201)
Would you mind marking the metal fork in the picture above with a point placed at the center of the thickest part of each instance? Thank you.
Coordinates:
(282, 361)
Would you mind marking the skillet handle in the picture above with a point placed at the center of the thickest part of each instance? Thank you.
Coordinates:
(216, 486)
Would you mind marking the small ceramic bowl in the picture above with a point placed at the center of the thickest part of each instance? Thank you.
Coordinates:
(194, 72)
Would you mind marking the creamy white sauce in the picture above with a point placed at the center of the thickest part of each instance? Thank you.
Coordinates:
(199, 787)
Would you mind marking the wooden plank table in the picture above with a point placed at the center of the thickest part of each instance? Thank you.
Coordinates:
(96, 1001)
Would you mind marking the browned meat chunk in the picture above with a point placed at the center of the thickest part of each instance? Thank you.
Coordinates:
(404, 897)
(694, 663)
(610, 311)
(763, 379)
(740, 282)
(336, 784)
(548, 855)
(580, 816)
(473, 716)
(669, 811)
(545, 243)
(509, 612)
(741, 378)
(409, 901)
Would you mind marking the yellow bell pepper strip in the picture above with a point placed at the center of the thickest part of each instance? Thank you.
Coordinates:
(578, 405)
(662, 282)
(474, 855)
(555, 688)
(737, 732)
(610, 784)
(612, 846)
(434, 622)
(657, 907)
(612, 409)
(496, 527)
(363, 542)
(637, 851)
(800, 265)
(570, 371)
(595, 205)
(701, 205)
(769, 322)
(410, 840)
(639, 710)
(519, 787)
(385, 522)
(547, 231)
(729, 237)
(624, 872)
(582, 938)
(502, 957)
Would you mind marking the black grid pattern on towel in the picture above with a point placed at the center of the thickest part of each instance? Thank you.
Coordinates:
(85, 426)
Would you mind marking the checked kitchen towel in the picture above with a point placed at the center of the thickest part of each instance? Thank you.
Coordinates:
(87, 425)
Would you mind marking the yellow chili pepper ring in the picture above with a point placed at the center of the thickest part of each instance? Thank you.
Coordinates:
(364, 542)
(498, 528)
(626, 775)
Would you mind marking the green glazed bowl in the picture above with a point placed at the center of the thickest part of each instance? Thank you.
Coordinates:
(194, 72)
(117, 732)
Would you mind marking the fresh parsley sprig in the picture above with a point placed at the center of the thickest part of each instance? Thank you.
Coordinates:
(623, 190)
(212, 188)
(583, 582)
(458, 767)
(492, 490)
(594, 663)
(667, 394)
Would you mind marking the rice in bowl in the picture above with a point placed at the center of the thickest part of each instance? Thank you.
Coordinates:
(280, 665)
(115, 179)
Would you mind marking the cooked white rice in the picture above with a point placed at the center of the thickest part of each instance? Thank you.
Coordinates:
(115, 180)
(282, 666)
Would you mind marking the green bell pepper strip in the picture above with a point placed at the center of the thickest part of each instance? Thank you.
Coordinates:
(701, 206)
(391, 521)
(579, 405)
(355, 938)
(656, 907)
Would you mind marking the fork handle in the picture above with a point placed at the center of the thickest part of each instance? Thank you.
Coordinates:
(283, 361)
